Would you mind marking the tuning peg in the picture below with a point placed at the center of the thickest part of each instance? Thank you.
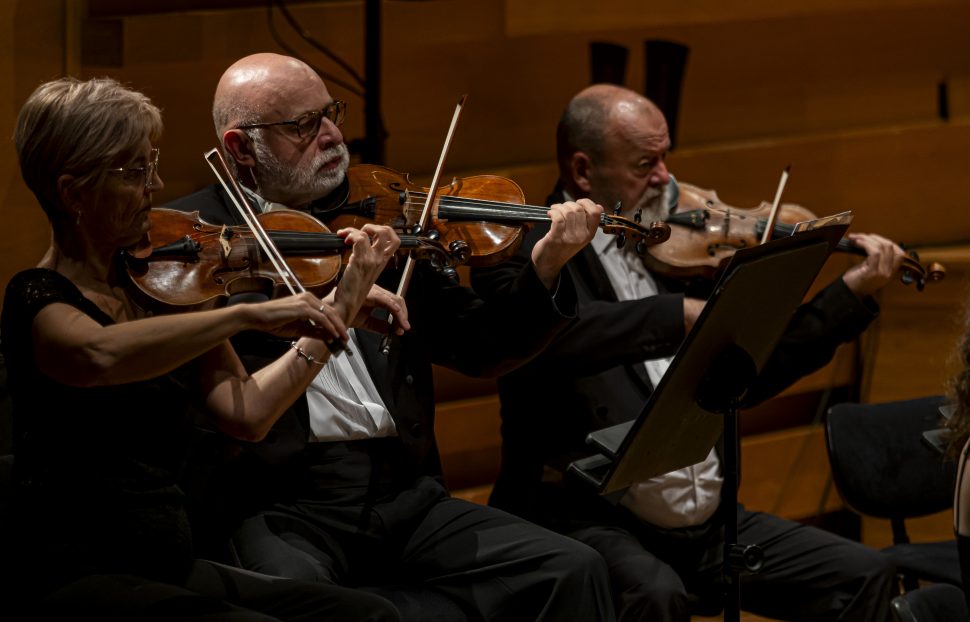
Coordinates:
(638, 216)
(641, 248)
(620, 239)
(616, 208)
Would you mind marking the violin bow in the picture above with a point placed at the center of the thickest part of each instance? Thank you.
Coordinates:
(409, 263)
(239, 201)
(773, 214)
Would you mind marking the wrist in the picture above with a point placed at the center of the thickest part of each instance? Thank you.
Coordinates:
(546, 267)
(309, 355)
(244, 317)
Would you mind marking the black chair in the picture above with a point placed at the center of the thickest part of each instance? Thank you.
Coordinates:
(940, 602)
(883, 468)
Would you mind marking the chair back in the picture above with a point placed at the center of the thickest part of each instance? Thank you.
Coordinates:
(940, 602)
(880, 464)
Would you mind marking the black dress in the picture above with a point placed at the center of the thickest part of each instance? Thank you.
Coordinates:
(96, 467)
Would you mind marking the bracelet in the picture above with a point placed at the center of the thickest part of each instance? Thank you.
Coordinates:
(303, 355)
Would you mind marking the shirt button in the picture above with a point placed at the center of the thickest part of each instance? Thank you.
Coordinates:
(409, 380)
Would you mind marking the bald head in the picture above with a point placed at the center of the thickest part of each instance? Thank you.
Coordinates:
(596, 114)
(261, 87)
(611, 143)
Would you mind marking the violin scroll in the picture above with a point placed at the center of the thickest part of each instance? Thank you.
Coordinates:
(912, 271)
(625, 229)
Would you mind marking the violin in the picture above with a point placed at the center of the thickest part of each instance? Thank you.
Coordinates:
(487, 212)
(195, 265)
(705, 233)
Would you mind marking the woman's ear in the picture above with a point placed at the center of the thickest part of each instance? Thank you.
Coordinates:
(70, 195)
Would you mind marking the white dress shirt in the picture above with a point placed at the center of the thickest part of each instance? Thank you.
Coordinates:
(687, 496)
(343, 401)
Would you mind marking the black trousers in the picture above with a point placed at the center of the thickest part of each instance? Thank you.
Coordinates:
(212, 593)
(357, 524)
(808, 573)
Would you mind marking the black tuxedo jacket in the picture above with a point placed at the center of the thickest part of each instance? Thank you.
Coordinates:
(592, 375)
(451, 326)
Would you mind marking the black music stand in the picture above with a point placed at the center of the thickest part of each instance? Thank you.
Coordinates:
(698, 398)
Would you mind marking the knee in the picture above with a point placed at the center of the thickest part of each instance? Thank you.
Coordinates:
(581, 561)
(872, 564)
(881, 570)
(376, 609)
(873, 571)
(653, 601)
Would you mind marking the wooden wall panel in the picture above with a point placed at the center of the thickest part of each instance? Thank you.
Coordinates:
(904, 181)
(750, 76)
(526, 17)
(32, 50)
(910, 352)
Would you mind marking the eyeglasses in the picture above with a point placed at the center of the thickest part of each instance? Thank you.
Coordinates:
(308, 124)
(143, 174)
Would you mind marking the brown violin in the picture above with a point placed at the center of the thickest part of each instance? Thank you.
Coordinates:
(705, 233)
(487, 212)
(196, 265)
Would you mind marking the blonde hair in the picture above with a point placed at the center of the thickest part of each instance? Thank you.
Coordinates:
(80, 128)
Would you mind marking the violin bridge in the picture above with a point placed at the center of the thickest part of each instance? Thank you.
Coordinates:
(224, 236)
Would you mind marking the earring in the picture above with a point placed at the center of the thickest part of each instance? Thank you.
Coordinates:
(77, 221)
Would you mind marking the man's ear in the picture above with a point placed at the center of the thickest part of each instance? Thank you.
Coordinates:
(579, 166)
(240, 147)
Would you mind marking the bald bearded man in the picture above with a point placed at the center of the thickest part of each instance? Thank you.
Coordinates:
(355, 494)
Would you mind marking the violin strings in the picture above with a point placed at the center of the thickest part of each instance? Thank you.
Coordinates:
(485, 210)
(470, 202)
(498, 210)
(319, 238)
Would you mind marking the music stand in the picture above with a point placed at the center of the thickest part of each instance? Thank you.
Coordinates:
(697, 400)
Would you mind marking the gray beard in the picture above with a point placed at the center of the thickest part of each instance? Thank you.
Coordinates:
(655, 208)
(275, 179)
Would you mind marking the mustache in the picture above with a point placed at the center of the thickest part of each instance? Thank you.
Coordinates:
(338, 152)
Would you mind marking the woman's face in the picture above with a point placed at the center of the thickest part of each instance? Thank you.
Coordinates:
(120, 217)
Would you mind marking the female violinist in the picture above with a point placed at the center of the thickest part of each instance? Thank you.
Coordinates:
(101, 391)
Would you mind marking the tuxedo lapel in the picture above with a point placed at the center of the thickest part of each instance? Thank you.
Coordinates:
(378, 364)
(586, 268)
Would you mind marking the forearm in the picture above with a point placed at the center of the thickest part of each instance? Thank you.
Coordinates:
(246, 406)
(833, 317)
(83, 353)
(516, 327)
(612, 333)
